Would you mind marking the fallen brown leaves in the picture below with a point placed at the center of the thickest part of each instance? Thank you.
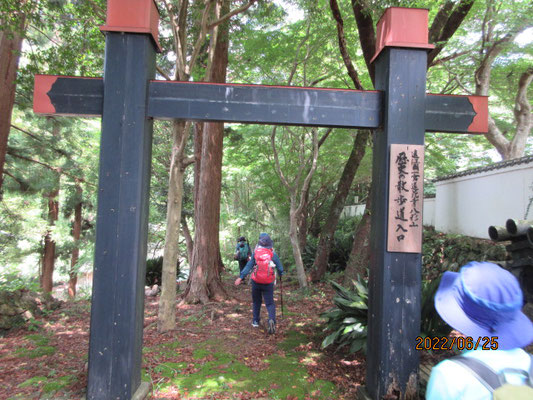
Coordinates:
(227, 323)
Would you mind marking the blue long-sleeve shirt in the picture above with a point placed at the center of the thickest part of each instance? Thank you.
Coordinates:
(251, 263)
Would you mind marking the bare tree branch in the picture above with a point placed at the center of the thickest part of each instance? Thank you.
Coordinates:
(201, 37)
(307, 181)
(163, 73)
(367, 35)
(276, 160)
(231, 14)
(213, 38)
(180, 61)
(32, 135)
(453, 22)
(440, 20)
(182, 29)
(522, 112)
(98, 11)
(324, 137)
(23, 184)
(448, 58)
(342, 44)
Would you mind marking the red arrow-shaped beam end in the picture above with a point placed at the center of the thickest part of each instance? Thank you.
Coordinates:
(480, 123)
(41, 101)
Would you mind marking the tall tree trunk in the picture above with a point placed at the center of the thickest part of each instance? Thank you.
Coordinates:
(360, 253)
(198, 140)
(188, 239)
(166, 319)
(302, 223)
(76, 233)
(204, 280)
(512, 147)
(328, 230)
(297, 198)
(10, 46)
(205, 272)
(296, 251)
(49, 255)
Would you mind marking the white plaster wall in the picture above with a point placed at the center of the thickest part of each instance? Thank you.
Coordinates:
(468, 205)
(429, 212)
(352, 211)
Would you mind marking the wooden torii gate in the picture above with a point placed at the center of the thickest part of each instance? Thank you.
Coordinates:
(128, 99)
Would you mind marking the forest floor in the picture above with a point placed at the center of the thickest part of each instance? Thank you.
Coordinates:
(214, 352)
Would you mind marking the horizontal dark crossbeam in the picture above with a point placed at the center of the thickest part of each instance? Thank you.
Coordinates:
(258, 104)
(264, 104)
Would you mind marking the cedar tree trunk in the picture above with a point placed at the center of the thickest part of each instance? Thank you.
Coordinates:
(328, 230)
(204, 280)
(76, 233)
(360, 255)
(10, 45)
(49, 245)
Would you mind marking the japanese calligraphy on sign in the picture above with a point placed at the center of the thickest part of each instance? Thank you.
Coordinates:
(406, 197)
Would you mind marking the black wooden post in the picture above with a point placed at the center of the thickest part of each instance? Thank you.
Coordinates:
(117, 311)
(395, 277)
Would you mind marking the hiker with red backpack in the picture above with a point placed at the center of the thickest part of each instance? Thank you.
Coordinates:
(263, 265)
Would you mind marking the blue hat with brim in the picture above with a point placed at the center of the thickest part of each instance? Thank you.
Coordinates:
(265, 241)
(484, 300)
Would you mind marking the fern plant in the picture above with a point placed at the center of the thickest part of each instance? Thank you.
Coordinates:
(348, 320)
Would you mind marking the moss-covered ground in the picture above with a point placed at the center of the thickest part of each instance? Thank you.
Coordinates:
(213, 353)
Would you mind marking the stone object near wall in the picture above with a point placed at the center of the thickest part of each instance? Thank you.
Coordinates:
(520, 235)
(20, 306)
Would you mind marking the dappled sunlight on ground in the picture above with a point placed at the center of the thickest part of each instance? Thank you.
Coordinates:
(213, 353)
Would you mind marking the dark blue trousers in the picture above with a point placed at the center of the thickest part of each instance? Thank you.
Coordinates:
(262, 291)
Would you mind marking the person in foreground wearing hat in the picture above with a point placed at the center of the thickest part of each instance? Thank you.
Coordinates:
(482, 300)
(263, 261)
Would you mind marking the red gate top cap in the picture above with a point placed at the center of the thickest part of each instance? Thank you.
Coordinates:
(137, 16)
(402, 27)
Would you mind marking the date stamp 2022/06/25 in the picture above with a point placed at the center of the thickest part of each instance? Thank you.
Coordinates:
(458, 342)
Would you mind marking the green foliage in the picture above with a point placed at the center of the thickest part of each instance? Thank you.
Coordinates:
(340, 248)
(154, 268)
(441, 252)
(11, 279)
(347, 322)
(349, 319)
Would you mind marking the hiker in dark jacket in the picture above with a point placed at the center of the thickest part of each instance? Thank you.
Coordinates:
(242, 252)
(264, 261)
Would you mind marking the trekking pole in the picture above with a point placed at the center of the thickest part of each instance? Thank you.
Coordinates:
(281, 294)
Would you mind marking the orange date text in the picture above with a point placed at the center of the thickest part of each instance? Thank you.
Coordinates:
(456, 342)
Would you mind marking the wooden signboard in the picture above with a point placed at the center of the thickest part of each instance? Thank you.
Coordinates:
(406, 197)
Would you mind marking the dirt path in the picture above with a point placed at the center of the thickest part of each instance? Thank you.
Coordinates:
(214, 353)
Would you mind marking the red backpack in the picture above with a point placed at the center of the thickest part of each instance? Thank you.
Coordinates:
(263, 271)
